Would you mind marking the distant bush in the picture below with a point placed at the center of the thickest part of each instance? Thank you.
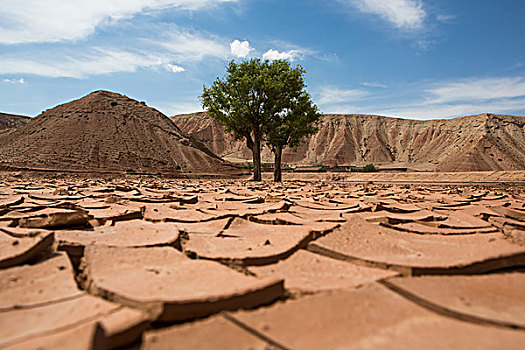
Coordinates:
(247, 166)
(370, 168)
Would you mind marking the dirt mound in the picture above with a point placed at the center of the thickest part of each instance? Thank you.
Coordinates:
(475, 143)
(105, 131)
(12, 121)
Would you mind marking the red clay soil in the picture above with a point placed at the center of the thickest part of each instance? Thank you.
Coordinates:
(213, 333)
(306, 272)
(139, 261)
(476, 143)
(31, 286)
(494, 297)
(43, 308)
(105, 131)
(419, 253)
(372, 317)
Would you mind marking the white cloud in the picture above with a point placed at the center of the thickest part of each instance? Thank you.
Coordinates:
(464, 97)
(97, 61)
(186, 46)
(477, 89)
(332, 96)
(14, 81)
(170, 45)
(403, 14)
(30, 21)
(182, 107)
(240, 48)
(374, 85)
(174, 68)
(498, 95)
(341, 109)
(285, 55)
(445, 18)
(437, 111)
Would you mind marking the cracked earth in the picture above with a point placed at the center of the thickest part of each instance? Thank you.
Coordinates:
(146, 263)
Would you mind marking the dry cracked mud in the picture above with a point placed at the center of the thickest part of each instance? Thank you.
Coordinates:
(149, 262)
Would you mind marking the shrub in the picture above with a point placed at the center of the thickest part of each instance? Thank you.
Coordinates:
(370, 168)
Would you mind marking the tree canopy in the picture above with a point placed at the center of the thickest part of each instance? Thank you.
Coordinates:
(263, 101)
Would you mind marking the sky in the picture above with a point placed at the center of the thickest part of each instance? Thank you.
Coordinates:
(418, 59)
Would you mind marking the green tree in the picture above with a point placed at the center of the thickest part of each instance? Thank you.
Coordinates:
(295, 116)
(262, 101)
(238, 101)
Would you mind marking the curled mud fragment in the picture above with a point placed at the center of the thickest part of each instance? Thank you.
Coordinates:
(28, 286)
(16, 251)
(409, 253)
(168, 286)
(246, 242)
(58, 219)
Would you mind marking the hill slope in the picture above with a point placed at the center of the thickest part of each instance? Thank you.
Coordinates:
(105, 131)
(11, 121)
(475, 143)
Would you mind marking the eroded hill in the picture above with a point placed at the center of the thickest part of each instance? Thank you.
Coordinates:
(12, 121)
(105, 131)
(475, 143)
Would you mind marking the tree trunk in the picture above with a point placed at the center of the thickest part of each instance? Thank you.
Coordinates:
(256, 153)
(256, 156)
(249, 142)
(277, 173)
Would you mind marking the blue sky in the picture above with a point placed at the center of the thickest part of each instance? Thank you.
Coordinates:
(421, 59)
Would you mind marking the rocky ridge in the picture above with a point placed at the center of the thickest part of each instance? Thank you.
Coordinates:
(476, 143)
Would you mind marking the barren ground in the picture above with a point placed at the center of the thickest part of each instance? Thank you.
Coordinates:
(321, 261)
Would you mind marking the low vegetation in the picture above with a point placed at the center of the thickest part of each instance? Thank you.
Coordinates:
(369, 168)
